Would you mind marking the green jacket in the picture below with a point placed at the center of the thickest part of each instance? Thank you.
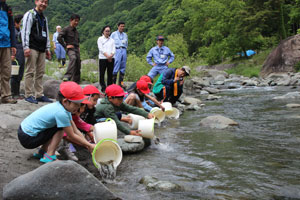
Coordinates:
(107, 110)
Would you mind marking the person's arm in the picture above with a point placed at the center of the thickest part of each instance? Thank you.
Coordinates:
(82, 125)
(132, 109)
(26, 30)
(101, 47)
(149, 58)
(171, 55)
(61, 37)
(155, 101)
(48, 38)
(12, 30)
(109, 113)
(167, 78)
(73, 133)
(113, 47)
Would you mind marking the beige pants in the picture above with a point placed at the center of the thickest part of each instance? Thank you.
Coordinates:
(5, 72)
(34, 72)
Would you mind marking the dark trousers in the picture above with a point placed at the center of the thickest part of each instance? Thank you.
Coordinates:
(167, 93)
(15, 80)
(103, 66)
(73, 71)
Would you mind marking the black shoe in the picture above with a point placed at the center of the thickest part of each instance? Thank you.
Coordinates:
(31, 99)
(44, 99)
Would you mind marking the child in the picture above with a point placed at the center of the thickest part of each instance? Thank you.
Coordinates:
(114, 103)
(93, 93)
(47, 125)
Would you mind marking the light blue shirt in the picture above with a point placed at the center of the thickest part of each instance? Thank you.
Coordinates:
(48, 116)
(121, 39)
(55, 35)
(160, 55)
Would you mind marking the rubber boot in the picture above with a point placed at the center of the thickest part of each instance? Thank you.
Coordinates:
(114, 79)
(63, 62)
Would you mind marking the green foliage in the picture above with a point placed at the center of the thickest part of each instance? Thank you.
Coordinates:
(136, 67)
(297, 67)
(245, 70)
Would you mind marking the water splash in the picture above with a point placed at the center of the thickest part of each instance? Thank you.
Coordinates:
(165, 147)
(107, 170)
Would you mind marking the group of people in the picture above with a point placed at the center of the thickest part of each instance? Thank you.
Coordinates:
(77, 110)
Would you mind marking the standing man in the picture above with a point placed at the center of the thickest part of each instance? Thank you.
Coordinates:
(59, 49)
(69, 39)
(162, 57)
(7, 49)
(36, 46)
(121, 43)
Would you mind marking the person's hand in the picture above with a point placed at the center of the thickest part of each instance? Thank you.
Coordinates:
(167, 63)
(150, 116)
(13, 58)
(70, 46)
(135, 132)
(181, 82)
(154, 64)
(48, 55)
(162, 108)
(27, 52)
(109, 59)
(91, 147)
(13, 51)
(176, 79)
(54, 46)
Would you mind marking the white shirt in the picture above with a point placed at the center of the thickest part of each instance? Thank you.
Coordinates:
(106, 45)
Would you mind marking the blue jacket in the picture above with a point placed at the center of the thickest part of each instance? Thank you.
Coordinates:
(7, 29)
(166, 79)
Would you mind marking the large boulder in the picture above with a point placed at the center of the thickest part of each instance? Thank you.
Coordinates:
(217, 122)
(131, 147)
(283, 58)
(57, 180)
(51, 88)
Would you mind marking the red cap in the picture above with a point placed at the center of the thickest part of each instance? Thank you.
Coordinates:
(72, 91)
(86, 102)
(114, 91)
(142, 86)
(147, 79)
(90, 89)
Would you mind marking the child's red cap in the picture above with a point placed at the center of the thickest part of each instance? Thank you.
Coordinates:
(142, 86)
(114, 91)
(147, 79)
(72, 91)
(90, 89)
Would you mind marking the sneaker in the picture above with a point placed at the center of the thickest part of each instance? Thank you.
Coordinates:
(31, 99)
(65, 79)
(44, 99)
(9, 101)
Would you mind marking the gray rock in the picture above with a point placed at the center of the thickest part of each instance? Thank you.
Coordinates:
(202, 82)
(57, 180)
(131, 147)
(212, 97)
(51, 88)
(290, 95)
(155, 184)
(58, 75)
(194, 107)
(250, 82)
(293, 105)
(89, 62)
(191, 101)
(217, 122)
(211, 90)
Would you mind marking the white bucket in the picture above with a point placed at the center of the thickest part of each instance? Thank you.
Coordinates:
(107, 150)
(159, 114)
(107, 129)
(135, 120)
(168, 108)
(175, 113)
(15, 69)
(146, 127)
(133, 138)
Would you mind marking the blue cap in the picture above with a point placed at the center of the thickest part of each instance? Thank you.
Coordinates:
(160, 37)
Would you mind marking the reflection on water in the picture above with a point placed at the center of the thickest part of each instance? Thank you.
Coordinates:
(259, 159)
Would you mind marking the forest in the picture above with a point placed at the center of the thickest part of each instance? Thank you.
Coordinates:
(212, 30)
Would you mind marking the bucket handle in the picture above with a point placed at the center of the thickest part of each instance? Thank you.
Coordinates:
(108, 119)
(15, 60)
(96, 147)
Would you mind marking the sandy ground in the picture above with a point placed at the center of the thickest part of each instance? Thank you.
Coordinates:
(15, 160)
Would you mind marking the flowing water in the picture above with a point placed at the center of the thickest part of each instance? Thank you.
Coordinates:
(259, 159)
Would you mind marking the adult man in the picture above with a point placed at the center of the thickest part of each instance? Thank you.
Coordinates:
(7, 48)
(69, 38)
(162, 57)
(59, 49)
(121, 44)
(169, 85)
(36, 46)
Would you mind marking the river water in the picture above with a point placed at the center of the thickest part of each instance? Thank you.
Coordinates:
(259, 159)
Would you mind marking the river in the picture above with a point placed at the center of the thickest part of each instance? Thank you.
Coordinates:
(259, 159)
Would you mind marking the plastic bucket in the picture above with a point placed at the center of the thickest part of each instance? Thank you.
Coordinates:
(15, 69)
(175, 113)
(159, 114)
(107, 129)
(135, 120)
(133, 138)
(168, 108)
(146, 127)
(107, 150)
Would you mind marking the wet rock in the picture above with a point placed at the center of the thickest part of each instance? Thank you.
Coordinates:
(212, 97)
(57, 180)
(217, 122)
(290, 95)
(180, 106)
(193, 107)
(250, 82)
(293, 105)
(191, 101)
(155, 184)
(131, 147)
(202, 82)
(211, 90)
